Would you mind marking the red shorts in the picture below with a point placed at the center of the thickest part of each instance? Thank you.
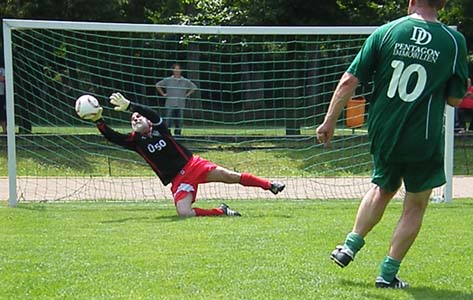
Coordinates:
(189, 178)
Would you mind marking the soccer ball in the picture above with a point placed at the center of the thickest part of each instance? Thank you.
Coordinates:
(87, 106)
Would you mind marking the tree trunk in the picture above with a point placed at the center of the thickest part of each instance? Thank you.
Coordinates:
(291, 91)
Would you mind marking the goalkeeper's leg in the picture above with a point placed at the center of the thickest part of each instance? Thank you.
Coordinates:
(184, 208)
(246, 179)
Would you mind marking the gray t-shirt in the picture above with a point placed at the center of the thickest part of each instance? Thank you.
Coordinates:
(2, 83)
(176, 89)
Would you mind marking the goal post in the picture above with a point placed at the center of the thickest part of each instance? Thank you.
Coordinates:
(449, 149)
(11, 145)
(261, 93)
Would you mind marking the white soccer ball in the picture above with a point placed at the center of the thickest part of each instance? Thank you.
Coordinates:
(87, 106)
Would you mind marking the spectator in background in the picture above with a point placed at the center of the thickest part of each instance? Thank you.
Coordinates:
(3, 115)
(178, 88)
(465, 110)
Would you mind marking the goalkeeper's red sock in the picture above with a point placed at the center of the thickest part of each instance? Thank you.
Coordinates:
(199, 212)
(248, 179)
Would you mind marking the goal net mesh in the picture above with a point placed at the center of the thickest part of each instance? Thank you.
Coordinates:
(258, 101)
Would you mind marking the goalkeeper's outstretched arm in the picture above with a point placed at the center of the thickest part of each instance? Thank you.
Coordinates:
(122, 104)
(146, 112)
(124, 140)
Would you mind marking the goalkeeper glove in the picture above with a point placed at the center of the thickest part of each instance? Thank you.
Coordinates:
(95, 117)
(121, 103)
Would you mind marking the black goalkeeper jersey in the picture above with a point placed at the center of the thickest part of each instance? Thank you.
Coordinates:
(160, 150)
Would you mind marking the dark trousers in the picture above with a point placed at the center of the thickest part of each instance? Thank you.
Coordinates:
(3, 108)
(465, 115)
(174, 118)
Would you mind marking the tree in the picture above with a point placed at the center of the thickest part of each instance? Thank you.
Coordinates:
(85, 10)
(362, 12)
(460, 13)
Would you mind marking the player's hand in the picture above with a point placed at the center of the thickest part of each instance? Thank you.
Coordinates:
(121, 103)
(97, 116)
(325, 133)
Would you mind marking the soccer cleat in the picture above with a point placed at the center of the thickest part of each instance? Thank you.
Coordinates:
(397, 283)
(228, 211)
(277, 187)
(342, 256)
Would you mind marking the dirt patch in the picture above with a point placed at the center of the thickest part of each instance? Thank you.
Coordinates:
(151, 189)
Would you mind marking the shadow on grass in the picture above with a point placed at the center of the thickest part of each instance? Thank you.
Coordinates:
(134, 219)
(29, 206)
(177, 218)
(423, 292)
(270, 215)
(418, 292)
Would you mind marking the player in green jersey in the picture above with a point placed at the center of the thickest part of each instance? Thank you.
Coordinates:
(418, 65)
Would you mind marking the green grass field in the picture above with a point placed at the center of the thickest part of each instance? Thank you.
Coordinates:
(261, 162)
(277, 250)
(196, 131)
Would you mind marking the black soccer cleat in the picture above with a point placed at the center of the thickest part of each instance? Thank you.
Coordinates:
(397, 283)
(277, 187)
(342, 256)
(228, 211)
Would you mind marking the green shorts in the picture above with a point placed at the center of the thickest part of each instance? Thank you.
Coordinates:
(417, 176)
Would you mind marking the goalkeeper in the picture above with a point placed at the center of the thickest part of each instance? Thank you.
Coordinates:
(172, 162)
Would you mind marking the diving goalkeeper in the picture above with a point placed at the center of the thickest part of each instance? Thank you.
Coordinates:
(172, 162)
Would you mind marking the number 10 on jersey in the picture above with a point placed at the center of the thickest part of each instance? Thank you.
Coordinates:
(401, 77)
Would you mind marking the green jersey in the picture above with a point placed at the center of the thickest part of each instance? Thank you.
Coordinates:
(415, 65)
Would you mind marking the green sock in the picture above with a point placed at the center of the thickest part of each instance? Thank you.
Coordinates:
(389, 268)
(354, 242)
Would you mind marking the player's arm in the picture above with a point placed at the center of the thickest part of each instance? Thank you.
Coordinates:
(459, 83)
(192, 88)
(159, 88)
(455, 102)
(145, 111)
(123, 104)
(360, 70)
(344, 91)
(151, 115)
(124, 140)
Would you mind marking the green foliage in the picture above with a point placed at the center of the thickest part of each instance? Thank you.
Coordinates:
(205, 12)
(460, 13)
(277, 250)
(296, 12)
(63, 10)
(362, 12)
(233, 12)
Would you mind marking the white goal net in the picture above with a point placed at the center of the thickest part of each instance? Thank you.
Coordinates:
(261, 92)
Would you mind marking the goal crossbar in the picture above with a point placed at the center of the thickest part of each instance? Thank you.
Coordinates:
(188, 29)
